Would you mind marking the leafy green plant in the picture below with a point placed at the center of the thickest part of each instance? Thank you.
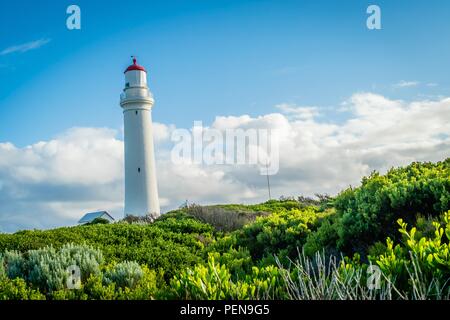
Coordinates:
(368, 213)
(2, 267)
(421, 265)
(125, 274)
(237, 259)
(281, 233)
(46, 268)
(223, 218)
(168, 244)
(17, 289)
(324, 238)
(213, 281)
(13, 264)
(99, 221)
(295, 248)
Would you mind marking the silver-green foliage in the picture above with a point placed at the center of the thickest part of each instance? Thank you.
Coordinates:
(2, 267)
(12, 263)
(125, 274)
(47, 268)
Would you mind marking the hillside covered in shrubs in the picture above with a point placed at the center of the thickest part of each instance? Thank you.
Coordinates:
(388, 238)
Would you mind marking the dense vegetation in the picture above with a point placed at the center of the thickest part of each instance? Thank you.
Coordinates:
(386, 239)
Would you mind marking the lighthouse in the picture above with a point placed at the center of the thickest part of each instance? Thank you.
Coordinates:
(141, 190)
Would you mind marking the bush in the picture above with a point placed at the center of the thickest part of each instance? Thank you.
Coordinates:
(13, 264)
(324, 238)
(2, 267)
(99, 221)
(142, 287)
(281, 233)
(17, 289)
(167, 244)
(219, 252)
(223, 219)
(237, 259)
(424, 260)
(139, 219)
(368, 213)
(214, 282)
(46, 268)
(144, 290)
(125, 274)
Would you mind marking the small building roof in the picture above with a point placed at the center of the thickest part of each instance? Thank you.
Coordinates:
(91, 216)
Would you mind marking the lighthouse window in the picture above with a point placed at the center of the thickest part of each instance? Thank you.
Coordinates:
(139, 169)
(127, 85)
(136, 111)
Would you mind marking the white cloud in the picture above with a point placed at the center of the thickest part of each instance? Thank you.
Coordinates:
(406, 84)
(54, 182)
(298, 112)
(24, 47)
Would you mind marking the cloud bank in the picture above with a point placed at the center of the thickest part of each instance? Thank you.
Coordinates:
(53, 183)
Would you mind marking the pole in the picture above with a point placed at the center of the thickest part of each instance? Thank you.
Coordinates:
(268, 180)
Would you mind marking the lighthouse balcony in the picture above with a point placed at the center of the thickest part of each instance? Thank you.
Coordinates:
(136, 96)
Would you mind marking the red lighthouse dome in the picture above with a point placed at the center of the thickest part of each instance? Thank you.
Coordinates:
(135, 66)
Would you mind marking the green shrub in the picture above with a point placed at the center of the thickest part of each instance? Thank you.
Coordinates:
(2, 267)
(221, 252)
(281, 233)
(147, 219)
(13, 264)
(125, 274)
(96, 288)
(99, 221)
(426, 260)
(167, 244)
(100, 287)
(47, 267)
(278, 205)
(145, 289)
(17, 289)
(368, 213)
(237, 259)
(425, 226)
(214, 282)
(324, 238)
(187, 225)
(211, 281)
(223, 218)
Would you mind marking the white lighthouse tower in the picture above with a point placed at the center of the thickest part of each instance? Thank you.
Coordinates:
(141, 190)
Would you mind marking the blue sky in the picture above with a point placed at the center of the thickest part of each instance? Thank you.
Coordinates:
(345, 100)
(209, 58)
